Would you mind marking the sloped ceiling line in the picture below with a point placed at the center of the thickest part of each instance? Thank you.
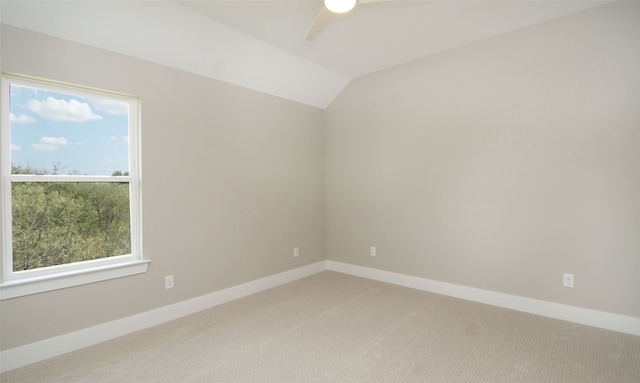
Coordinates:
(260, 45)
(183, 39)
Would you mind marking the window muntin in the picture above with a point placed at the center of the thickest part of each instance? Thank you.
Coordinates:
(70, 173)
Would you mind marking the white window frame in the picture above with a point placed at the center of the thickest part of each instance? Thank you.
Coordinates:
(16, 284)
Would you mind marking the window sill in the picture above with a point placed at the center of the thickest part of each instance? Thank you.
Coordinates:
(27, 286)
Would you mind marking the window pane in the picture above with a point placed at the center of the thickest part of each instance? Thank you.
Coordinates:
(60, 133)
(64, 222)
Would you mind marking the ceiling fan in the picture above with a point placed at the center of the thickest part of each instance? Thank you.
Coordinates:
(330, 9)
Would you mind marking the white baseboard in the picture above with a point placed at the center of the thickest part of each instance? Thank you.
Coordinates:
(48, 348)
(595, 318)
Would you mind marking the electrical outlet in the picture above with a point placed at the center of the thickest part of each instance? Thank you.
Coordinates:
(372, 251)
(567, 280)
(296, 252)
(168, 282)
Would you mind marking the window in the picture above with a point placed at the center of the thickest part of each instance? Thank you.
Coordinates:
(70, 186)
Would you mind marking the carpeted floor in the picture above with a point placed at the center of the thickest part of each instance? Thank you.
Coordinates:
(332, 327)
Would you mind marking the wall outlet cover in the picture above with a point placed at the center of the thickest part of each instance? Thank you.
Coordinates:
(567, 280)
(168, 282)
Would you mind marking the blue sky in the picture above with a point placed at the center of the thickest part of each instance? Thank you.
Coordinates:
(82, 135)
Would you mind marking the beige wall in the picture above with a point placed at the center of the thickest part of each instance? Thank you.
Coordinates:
(499, 165)
(233, 180)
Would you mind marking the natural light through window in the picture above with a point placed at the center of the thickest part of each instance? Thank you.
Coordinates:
(70, 173)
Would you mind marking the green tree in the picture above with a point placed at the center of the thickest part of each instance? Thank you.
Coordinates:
(56, 223)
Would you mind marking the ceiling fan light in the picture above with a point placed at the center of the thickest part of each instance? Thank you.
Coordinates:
(339, 6)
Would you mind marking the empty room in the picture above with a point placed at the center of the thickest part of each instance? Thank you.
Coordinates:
(284, 191)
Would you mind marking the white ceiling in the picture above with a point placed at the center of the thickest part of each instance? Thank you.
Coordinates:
(260, 44)
(379, 35)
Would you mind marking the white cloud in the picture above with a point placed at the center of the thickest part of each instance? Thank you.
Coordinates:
(54, 140)
(54, 109)
(122, 138)
(21, 119)
(111, 107)
(48, 144)
(15, 148)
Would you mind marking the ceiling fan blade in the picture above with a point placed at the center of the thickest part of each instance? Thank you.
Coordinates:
(321, 21)
(393, 3)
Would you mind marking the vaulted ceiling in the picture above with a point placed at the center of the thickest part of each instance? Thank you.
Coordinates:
(261, 45)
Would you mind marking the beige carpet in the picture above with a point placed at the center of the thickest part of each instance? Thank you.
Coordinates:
(332, 327)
